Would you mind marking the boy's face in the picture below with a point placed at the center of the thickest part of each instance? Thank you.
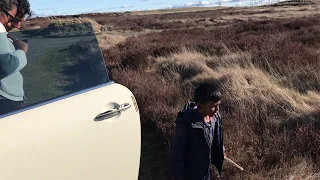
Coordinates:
(210, 108)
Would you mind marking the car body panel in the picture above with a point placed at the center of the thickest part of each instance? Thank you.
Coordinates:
(61, 140)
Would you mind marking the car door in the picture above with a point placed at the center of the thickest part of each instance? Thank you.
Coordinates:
(75, 123)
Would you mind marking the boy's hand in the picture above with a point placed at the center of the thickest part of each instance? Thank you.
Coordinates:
(18, 44)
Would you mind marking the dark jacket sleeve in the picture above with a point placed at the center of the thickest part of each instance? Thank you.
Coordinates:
(179, 149)
(217, 149)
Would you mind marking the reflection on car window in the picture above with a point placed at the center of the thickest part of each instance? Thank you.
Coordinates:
(60, 60)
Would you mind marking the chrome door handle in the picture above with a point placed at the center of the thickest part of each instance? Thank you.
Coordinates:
(111, 113)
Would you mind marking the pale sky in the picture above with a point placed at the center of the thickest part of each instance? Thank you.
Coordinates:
(70, 7)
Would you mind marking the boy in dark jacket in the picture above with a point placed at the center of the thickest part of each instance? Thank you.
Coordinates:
(198, 140)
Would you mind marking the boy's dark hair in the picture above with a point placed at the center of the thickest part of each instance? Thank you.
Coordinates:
(206, 92)
(23, 10)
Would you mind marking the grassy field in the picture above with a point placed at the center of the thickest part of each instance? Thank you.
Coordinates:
(266, 60)
(270, 79)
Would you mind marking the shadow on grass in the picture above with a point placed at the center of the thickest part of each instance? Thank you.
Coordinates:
(154, 161)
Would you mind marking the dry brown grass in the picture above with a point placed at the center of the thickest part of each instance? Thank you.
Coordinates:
(98, 28)
(266, 12)
(109, 40)
(180, 66)
(268, 71)
(301, 170)
(254, 100)
(177, 10)
(244, 80)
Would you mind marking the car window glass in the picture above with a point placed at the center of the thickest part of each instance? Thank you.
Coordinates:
(61, 60)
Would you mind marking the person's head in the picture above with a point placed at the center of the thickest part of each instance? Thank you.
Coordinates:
(207, 97)
(8, 11)
(23, 12)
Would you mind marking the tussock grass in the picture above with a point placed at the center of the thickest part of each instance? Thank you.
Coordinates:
(109, 40)
(98, 28)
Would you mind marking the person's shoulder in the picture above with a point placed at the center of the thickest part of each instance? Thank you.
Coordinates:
(188, 106)
(188, 113)
(2, 28)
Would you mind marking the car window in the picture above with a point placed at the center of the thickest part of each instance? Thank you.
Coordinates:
(61, 60)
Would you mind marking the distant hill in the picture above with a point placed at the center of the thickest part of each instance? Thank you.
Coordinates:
(295, 2)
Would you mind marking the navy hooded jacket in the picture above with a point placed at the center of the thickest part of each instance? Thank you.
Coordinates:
(191, 154)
